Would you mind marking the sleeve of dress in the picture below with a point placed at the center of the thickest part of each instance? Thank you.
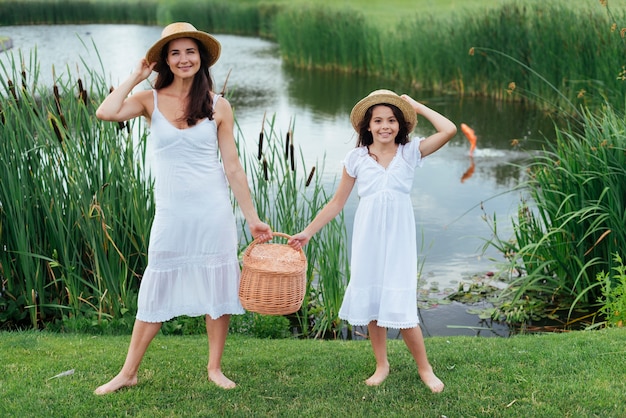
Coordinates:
(350, 162)
(412, 152)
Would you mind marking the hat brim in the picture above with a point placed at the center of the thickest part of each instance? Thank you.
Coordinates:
(358, 111)
(210, 43)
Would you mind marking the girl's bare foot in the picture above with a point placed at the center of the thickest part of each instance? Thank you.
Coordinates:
(116, 383)
(379, 376)
(432, 381)
(217, 377)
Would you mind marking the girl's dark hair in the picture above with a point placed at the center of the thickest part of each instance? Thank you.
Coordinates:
(365, 136)
(200, 104)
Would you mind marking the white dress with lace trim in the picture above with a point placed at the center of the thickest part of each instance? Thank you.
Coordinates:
(383, 266)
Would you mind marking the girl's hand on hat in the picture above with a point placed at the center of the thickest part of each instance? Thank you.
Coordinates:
(414, 103)
(417, 106)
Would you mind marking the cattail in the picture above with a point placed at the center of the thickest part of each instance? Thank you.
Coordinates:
(225, 82)
(12, 90)
(265, 173)
(261, 138)
(57, 99)
(82, 93)
(293, 163)
(55, 127)
(308, 180)
(260, 145)
(23, 79)
(287, 140)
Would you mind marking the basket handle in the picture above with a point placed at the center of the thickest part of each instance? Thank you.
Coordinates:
(275, 234)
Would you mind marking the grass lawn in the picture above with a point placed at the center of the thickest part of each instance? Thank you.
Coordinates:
(576, 374)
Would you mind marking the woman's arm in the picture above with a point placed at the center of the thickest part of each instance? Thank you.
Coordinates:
(235, 174)
(327, 214)
(445, 128)
(118, 106)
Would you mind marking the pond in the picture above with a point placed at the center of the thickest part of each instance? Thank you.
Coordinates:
(448, 192)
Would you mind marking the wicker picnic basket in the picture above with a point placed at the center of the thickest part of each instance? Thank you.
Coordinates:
(273, 278)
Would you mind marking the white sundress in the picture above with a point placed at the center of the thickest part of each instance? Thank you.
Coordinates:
(383, 266)
(193, 267)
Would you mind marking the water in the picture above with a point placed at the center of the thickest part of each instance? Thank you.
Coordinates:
(447, 207)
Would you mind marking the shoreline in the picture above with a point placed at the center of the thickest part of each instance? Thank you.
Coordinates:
(6, 43)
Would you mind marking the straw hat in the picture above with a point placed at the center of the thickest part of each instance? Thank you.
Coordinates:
(380, 97)
(183, 30)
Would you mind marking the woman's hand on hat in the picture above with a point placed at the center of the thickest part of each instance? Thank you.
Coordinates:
(144, 69)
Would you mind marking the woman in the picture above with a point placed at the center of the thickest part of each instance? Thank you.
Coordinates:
(193, 267)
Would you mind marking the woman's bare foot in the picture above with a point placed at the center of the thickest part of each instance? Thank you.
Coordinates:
(432, 381)
(116, 383)
(217, 377)
(379, 376)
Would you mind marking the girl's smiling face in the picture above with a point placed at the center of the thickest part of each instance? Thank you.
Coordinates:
(384, 125)
(183, 57)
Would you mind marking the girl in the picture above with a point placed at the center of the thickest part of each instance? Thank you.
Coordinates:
(382, 292)
(192, 267)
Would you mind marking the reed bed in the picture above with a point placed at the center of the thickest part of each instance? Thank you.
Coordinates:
(571, 228)
(37, 12)
(76, 206)
(578, 49)
(288, 195)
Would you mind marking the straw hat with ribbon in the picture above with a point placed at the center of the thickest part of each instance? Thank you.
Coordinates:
(183, 30)
(381, 97)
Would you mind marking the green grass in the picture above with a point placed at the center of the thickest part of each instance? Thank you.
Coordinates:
(385, 12)
(549, 375)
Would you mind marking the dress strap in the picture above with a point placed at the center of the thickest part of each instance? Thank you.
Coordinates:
(154, 93)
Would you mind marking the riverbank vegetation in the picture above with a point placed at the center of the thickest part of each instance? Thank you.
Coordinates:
(76, 208)
(75, 202)
(548, 375)
(451, 47)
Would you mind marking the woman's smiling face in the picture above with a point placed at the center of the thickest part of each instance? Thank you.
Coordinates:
(183, 57)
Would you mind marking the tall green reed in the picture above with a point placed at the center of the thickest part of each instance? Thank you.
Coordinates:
(575, 220)
(75, 205)
(578, 50)
(33, 12)
(288, 195)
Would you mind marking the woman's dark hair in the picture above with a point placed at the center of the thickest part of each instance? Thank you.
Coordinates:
(200, 104)
(365, 136)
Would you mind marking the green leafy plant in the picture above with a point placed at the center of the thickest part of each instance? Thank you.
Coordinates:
(613, 297)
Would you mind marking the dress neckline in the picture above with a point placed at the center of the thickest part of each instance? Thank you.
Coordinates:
(156, 110)
(395, 155)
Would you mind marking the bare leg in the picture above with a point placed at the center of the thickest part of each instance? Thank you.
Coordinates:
(414, 340)
(378, 338)
(217, 330)
(143, 334)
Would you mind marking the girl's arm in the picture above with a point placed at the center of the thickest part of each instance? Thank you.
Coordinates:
(327, 214)
(118, 106)
(445, 128)
(235, 174)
